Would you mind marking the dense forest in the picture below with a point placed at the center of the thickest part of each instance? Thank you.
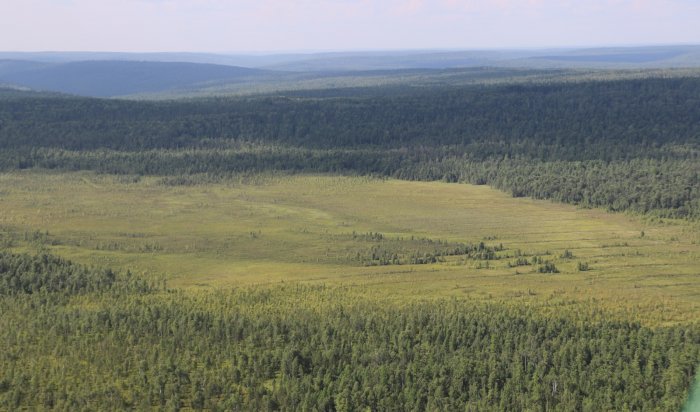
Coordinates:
(621, 144)
(79, 338)
(559, 121)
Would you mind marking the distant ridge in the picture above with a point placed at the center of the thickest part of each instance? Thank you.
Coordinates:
(650, 57)
(117, 78)
(168, 75)
(640, 57)
(10, 67)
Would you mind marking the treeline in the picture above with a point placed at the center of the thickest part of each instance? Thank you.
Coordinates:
(666, 187)
(48, 274)
(318, 348)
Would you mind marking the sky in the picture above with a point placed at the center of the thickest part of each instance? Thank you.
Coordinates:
(334, 25)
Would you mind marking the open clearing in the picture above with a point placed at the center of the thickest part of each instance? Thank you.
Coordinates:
(270, 229)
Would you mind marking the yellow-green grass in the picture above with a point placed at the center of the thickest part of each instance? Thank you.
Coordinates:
(269, 229)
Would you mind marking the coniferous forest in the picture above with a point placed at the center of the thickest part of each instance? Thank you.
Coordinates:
(314, 348)
(87, 333)
(619, 144)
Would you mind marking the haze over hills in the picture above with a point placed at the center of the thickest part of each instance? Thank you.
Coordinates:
(102, 74)
(601, 57)
(114, 78)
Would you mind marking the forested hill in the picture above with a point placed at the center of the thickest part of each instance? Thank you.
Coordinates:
(559, 121)
(621, 144)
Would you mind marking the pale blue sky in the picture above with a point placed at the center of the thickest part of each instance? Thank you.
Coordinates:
(316, 25)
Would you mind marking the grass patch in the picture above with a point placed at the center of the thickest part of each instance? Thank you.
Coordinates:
(269, 229)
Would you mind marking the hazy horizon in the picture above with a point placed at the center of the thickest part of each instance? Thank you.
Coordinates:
(313, 26)
(362, 51)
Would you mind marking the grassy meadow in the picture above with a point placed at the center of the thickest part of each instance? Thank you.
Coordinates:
(270, 229)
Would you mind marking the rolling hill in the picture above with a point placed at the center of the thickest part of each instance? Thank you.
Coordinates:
(171, 75)
(117, 78)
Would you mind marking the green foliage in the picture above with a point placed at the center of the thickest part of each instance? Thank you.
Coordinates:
(299, 347)
(414, 251)
(567, 254)
(584, 120)
(26, 274)
(623, 145)
(521, 261)
(548, 267)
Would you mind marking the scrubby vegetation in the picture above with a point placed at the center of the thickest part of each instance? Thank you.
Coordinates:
(376, 249)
